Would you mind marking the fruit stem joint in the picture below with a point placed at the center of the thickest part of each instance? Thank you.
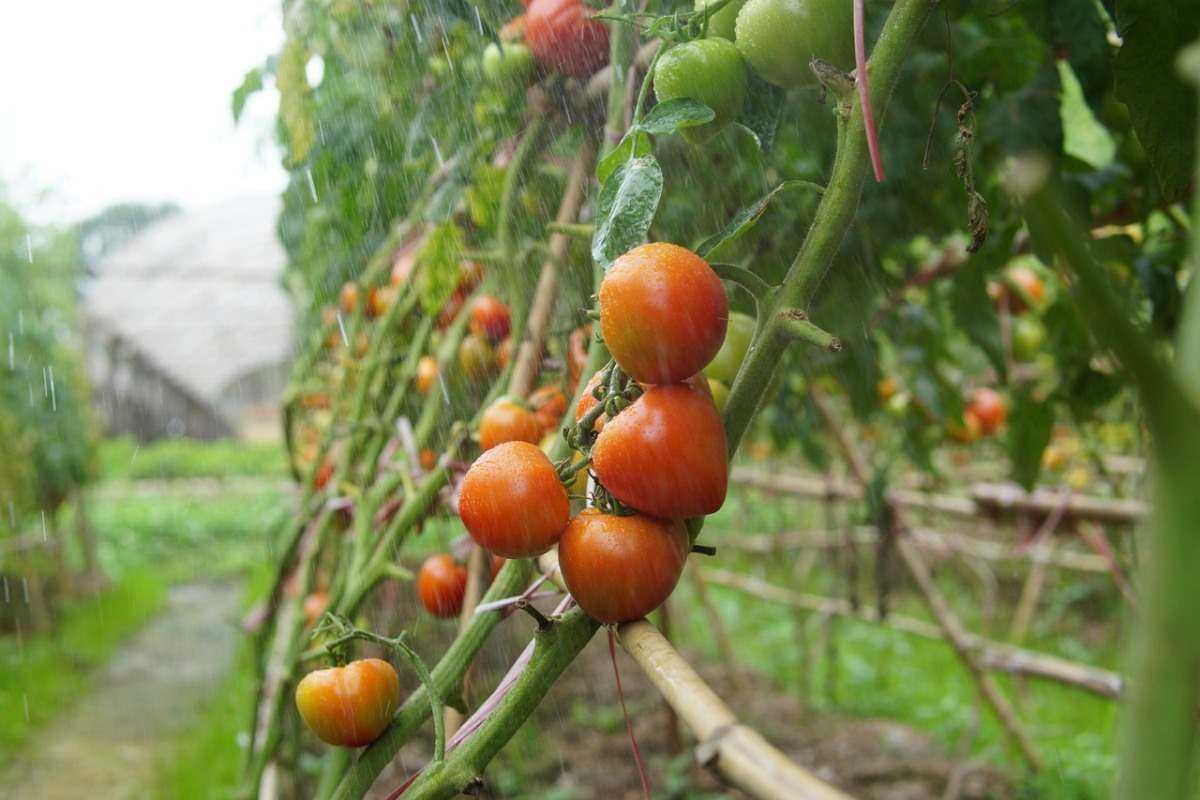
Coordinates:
(794, 324)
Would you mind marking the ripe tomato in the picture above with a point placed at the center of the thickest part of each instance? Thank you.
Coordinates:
(349, 706)
(708, 70)
(504, 352)
(441, 585)
(1029, 288)
(886, 388)
(721, 23)
(588, 401)
(314, 401)
(512, 502)
(662, 312)
(780, 37)
(476, 358)
(324, 474)
(966, 431)
(549, 404)
(315, 605)
(428, 459)
(620, 568)
(577, 351)
(728, 360)
(665, 454)
(490, 318)
(988, 408)
(508, 64)
(379, 300)
(427, 373)
(564, 37)
(348, 299)
(507, 421)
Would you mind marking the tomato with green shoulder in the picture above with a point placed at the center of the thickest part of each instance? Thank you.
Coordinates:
(780, 37)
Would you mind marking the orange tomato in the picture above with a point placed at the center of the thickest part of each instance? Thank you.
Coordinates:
(588, 401)
(549, 403)
(665, 455)
(349, 706)
(564, 37)
(663, 313)
(324, 473)
(512, 502)
(315, 605)
(620, 568)
(506, 421)
(348, 299)
(988, 408)
(490, 318)
(429, 460)
(441, 585)
(427, 373)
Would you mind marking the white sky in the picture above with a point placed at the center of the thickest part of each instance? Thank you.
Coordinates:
(129, 100)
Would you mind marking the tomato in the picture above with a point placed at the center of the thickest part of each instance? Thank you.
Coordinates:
(470, 274)
(886, 388)
(720, 394)
(779, 37)
(314, 401)
(1028, 336)
(512, 502)
(665, 454)
(429, 459)
(349, 706)
(508, 421)
(708, 70)
(402, 266)
(728, 360)
(315, 605)
(490, 317)
(476, 358)
(379, 300)
(427, 373)
(588, 401)
(620, 568)
(564, 37)
(966, 431)
(663, 313)
(513, 30)
(508, 64)
(988, 408)
(549, 404)
(721, 23)
(1020, 288)
(441, 585)
(504, 352)
(324, 474)
(577, 351)
(348, 299)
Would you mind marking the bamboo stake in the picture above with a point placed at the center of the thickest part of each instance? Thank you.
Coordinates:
(992, 655)
(947, 620)
(738, 753)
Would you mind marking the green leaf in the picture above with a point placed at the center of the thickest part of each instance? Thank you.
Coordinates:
(439, 258)
(762, 110)
(627, 205)
(1162, 109)
(1029, 427)
(250, 84)
(681, 112)
(1083, 135)
(632, 145)
(746, 219)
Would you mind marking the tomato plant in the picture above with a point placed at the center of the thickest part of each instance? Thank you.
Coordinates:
(349, 706)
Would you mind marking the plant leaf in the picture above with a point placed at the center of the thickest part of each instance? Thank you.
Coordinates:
(745, 219)
(762, 110)
(250, 84)
(633, 144)
(1028, 434)
(681, 112)
(627, 205)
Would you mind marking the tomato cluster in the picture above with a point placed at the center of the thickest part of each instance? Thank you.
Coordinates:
(658, 450)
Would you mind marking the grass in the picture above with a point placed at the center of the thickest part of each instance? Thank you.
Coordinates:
(42, 674)
(125, 459)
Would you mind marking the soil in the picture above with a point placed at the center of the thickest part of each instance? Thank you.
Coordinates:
(106, 745)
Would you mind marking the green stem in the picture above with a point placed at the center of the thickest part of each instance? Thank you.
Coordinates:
(755, 286)
(520, 163)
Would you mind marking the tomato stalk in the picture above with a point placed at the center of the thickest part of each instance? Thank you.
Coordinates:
(864, 89)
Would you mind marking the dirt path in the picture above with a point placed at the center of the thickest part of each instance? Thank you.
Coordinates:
(105, 746)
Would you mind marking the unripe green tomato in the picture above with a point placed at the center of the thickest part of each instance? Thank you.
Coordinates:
(1028, 336)
(728, 360)
(720, 393)
(721, 23)
(708, 70)
(779, 38)
(508, 63)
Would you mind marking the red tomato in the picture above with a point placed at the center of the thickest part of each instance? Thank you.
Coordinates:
(665, 454)
(349, 706)
(620, 568)
(315, 605)
(988, 408)
(348, 299)
(549, 404)
(505, 421)
(512, 502)
(427, 373)
(490, 318)
(441, 585)
(429, 460)
(663, 313)
(564, 37)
